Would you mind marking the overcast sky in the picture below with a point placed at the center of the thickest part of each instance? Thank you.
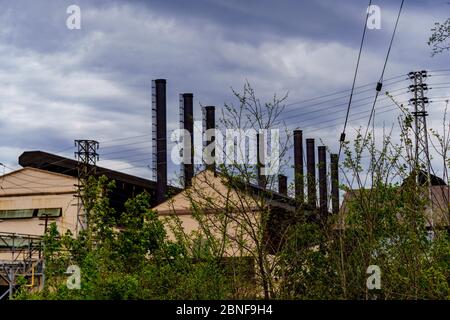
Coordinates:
(57, 85)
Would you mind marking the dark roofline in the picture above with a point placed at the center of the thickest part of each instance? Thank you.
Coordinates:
(435, 180)
(54, 163)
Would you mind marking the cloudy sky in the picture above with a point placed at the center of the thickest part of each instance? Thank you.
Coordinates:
(57, 84)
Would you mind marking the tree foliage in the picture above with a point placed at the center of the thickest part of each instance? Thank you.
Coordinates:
(439, 39)
(385, 222)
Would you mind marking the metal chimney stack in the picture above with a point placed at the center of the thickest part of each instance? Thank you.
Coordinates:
(187, 119)
(210, 123)
(260, 152)
(334, 183)
(282, 184)
(311, 172)
(323, 192)
(298, 167)
(159, 106)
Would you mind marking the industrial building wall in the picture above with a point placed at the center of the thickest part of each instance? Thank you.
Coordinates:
(211, 196)
(28, 195)
(35, 225)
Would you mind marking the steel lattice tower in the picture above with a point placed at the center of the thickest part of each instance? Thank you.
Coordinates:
(87, 157)
(419, 102)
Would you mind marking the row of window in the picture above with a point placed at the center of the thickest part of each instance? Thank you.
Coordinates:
(30, 213)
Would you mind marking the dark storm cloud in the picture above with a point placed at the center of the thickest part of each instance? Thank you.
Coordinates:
(57, 85)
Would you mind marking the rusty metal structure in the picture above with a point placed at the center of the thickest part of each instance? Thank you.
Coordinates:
(20, 258)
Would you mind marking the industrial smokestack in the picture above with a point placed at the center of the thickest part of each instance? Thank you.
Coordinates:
(334, 183)
(298, 167)
(210, 123)
(260, 145)
(186, 103)
(282, 184)
(323, 193)
(159, 105)
(311, 172)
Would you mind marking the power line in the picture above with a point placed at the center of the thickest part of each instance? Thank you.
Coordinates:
(380, 82)
(350, 117)
(342, 138)
(125, 138)
(334, 99)
(340, 104)
(125, 144)
(28, 175)
(290, 104)
(344, 91)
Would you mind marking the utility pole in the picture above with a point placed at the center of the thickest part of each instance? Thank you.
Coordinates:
(421, 154)
(87, 158)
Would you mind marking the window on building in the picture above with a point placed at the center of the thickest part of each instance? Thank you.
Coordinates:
(16, 214)
(50, 212)
(30, 213)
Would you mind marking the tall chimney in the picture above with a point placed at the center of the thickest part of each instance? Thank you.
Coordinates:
(188, 124)
(161, 139)
(282, 184)
(210, 123)
(334, 183)
(323, 193)
(298, 167)
(260, 152)
(311, 172)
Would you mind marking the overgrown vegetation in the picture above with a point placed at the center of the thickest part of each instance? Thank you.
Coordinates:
(134, 261)
(386, 222)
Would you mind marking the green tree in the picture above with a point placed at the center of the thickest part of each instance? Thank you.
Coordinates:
(439, 37)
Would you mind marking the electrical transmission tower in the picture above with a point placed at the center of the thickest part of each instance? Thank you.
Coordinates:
(421, 154)
(87, 157)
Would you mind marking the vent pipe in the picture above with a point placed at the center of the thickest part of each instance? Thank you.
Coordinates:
(311, 172)
(210, 123)
(323, 192)
(298, 167)
(186, 103)
(159, 100)
(260, 145)
(334, 183)
(282, 184)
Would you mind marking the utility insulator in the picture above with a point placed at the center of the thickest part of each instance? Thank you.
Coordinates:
(414, 88)
(379, 86)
